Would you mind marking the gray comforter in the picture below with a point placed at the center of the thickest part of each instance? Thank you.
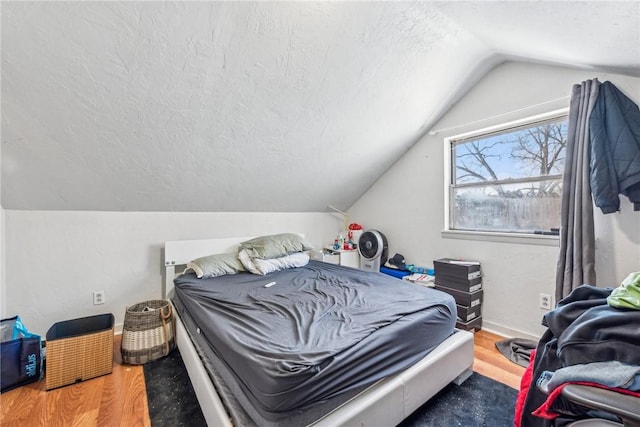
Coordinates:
(318, 331)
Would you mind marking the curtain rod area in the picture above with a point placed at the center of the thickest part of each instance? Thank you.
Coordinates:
(437, 131)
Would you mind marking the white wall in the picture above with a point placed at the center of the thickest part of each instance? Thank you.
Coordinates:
(56, 259)
(406, 203)
(3, 293)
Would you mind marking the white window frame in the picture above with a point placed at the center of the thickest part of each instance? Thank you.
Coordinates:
(523, 238)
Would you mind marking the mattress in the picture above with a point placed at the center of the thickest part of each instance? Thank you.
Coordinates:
(296, 338)
(238, 408)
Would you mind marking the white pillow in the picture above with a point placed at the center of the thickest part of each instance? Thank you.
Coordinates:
(265, 266)
(247, 261)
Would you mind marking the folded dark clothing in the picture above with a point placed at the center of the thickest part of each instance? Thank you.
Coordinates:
(518, 350)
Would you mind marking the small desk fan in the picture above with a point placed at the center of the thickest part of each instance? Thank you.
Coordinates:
(373, 248)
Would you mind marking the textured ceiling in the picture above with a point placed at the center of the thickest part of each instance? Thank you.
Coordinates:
(267, 106)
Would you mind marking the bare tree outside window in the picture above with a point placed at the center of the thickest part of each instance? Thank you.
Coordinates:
(509, 181)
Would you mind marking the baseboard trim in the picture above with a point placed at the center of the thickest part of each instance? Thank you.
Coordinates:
(507, 332)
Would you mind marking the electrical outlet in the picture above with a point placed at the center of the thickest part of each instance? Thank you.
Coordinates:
(545, 301)
(98, 297)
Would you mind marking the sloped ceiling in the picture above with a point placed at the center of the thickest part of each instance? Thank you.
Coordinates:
(266, 106)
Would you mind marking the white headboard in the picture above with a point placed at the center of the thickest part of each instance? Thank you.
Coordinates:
(180, 252)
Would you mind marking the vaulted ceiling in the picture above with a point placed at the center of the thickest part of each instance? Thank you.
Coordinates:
(257, 106)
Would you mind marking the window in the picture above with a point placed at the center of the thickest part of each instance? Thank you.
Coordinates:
(508, 179)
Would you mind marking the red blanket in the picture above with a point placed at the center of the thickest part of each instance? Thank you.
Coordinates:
(525, 383)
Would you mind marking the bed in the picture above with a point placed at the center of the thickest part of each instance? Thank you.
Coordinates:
(369, 393)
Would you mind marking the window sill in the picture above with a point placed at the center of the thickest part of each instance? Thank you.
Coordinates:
(486, 236)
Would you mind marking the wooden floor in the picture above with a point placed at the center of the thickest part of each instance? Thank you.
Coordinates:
(120, 399)
(117, 399)
(489, 362)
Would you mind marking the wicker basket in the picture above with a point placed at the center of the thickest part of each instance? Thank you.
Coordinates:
(148, 332)
(79, 349)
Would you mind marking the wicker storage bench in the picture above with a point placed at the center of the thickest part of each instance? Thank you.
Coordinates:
(79, 349)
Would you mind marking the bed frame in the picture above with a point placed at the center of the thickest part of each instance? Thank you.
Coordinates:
(387, 402)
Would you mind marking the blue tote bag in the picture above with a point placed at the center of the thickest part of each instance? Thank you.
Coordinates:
(20, 354)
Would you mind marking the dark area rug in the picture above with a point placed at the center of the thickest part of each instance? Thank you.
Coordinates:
(479, 401)
(172, 401)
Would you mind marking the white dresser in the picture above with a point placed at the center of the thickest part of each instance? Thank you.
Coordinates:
(342, 257)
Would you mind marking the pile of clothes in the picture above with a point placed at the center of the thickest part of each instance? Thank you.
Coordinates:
(593, 339)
